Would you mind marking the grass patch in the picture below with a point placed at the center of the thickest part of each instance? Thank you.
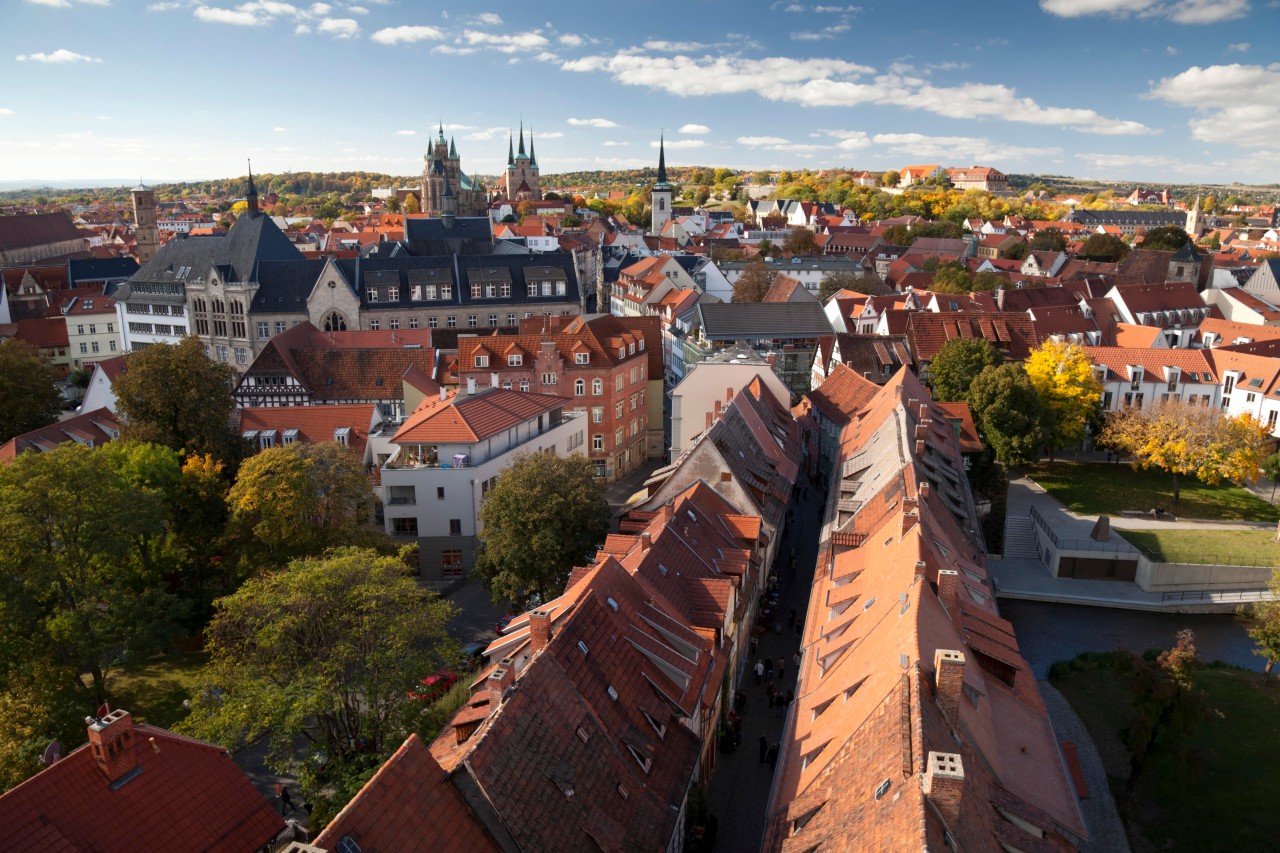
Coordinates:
(1216, 547)
(153, 693)
(1229, 768)
(1094, 488)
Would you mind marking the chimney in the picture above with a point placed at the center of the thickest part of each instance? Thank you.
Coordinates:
(919, 448)
(944, 785)
(913, 406)
(471, 385)
(710, 420)
(646, 540)
(502, 677)
(111, 742)
(539, 629)
(948, 673)
(728, 394)
(922, 493)
(444, 394)
(949, 591)
(909, 520)
(922, 430)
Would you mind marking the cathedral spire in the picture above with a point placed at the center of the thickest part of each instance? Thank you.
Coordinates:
(441, 136)
(662, 160)
(251, 197)
(511, 157)
(533, 158)
(453, 150)
(521, 155)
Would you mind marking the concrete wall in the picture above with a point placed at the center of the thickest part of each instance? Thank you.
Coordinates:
(1179, 577)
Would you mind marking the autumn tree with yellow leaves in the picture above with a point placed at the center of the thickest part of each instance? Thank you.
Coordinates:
(1189, 440)
(1063, 376)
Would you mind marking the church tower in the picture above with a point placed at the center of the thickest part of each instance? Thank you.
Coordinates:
(251, 197)
(144, 221)
(522, 172)
(660, 198)
(1193, 220)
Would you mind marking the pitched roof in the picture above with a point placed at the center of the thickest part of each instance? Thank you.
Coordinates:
(408, 802)
(1194, 364)
(313, 424)
(842, 394)
(25, 230)
(1215, 331)
(43, 332)
(468, 418)
(189, 795)
(93, 428)
(1013, 334)
(737, 320)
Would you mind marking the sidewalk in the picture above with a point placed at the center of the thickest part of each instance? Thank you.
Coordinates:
(739, 793)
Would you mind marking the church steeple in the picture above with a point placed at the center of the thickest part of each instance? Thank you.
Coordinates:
(453, 150)
(441, 132)
(511, 157)
(251, 197)
(520, 155)
(533, 158)
(662, 161)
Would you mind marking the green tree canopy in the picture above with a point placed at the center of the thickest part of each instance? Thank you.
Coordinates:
(1104, 247)
(1170, 238)
(1048, 240)
(799, 241)
(173, 394)
(1009, 413)
(951, 277)
(834, 282)
(890, 179)
(28, 398)
(544, 516)
(957, 364)
(325, 650)
(753, 282)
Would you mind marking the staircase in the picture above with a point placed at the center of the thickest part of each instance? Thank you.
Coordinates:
(1019, 539)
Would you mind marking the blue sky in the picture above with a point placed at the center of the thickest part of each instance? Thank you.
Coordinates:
(1150, 90)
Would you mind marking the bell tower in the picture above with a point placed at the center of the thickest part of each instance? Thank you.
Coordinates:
(144, 221)
(660, 198)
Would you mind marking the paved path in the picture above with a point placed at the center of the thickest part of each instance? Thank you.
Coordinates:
(739, 793)
(1106, 831)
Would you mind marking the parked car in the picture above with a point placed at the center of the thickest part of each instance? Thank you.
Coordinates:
(435, 685)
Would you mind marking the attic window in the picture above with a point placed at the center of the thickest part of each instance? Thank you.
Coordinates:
(582, 358)
(582, 647)
(662, 569)
(582, 734)
(623, 792)
(613, 605)
(883, 788)
(290, 436)
(657, 727)
(867, 605)
(347, 845)
(342, 435)
(645, 763)
(378, 382)
(852, 690)
(613, 694)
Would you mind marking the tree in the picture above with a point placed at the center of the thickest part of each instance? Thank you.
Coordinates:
(1048, 240)
(324, 650)
(297, 499)
(544, 516)
(173, 394)
(28, 397)
(951, 277)
(411, 204)
(1185, 439)
(1069, 389)
(753, 282)
(1265, 627)
(1104, 247)
(1169, 238)
(799, 241)
(1270, 468)
(1018, 251)
(987, 280)
(240, 208)
(834, 282)
(77, 533)
(1009, 414)
(393, 204)
(890, 179)
(957, 364)
(1165, 703)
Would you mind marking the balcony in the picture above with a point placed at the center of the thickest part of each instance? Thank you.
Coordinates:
(408, 458)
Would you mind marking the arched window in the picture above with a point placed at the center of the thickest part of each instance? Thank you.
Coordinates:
(335, 323)
(597, 387)
(579, 387)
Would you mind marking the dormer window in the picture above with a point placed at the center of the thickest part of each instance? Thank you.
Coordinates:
(342, 435)
(482, 361)
(622, 352)
(582, 358)
(515, 360)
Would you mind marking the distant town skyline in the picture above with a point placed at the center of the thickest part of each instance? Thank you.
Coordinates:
(1144, 90)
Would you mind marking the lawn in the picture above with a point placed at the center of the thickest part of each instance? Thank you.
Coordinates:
(153, 693)
(1096, 488)
(1218, 547)
(1217, 792)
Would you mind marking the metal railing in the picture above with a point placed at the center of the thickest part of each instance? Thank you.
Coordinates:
(1219, 596)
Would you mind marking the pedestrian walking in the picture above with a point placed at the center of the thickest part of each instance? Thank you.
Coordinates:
(779, 703)
(797, 657)
(286, 803)
(759, 671)
(768, 668)
(782, 668)
(755, 645)
(764, 748)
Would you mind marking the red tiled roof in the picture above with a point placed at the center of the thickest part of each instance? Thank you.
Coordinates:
(962, 418)
(843, 394)
(189, 796)
(44, 332)
(1013, 334)
(95, 428)
(1154, 361)
(409, 804)
(315, 424)
(1129, 335)
(468, 418)
(1226, 332)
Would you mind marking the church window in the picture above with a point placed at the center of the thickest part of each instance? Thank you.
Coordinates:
(335, 323)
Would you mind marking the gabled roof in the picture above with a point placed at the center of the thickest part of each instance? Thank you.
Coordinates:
(312, 424)
(1194, 364)
(25, 230)
(94, 428)
(468, 418)
(738, 320)
(407, 803)
(842, 394)
(189, 795)
(1013, 334)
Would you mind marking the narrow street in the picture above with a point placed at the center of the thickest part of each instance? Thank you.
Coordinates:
(738, 796)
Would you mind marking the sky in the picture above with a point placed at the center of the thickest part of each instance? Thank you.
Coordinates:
(1142, 90)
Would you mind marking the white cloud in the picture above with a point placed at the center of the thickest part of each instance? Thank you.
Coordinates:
(57, 4)
(321, 8)
(164, 7)
(675, 46)
(1226, 114)
(238, 18)
(301, 29)
(489, 18)
(1171, 50)
(694, 129)
(506, 43)
(820, 82)
(279, 130)
(450, 50)
(5, 112)
(958, 148)
(1238, 47)
(571, 40)
(553, 134)
(761, 141)
(407, 34)
(850, 140)
(592, 122)
(681, 143)
(59, 56)
(357, 10)
(613, 143)
(1179, 11)
(342, 28)
(406, 133)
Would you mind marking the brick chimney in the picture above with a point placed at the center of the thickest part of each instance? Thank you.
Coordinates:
(646, 540)
(949, 591)
(948, 674)
(909, 520)
(919, 448)
(111, 742)
(922, 493)
(944, 785)
(539, 629)
(502, 677)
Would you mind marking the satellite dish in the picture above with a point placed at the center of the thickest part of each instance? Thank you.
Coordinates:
(103, 710)
(52, 753)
